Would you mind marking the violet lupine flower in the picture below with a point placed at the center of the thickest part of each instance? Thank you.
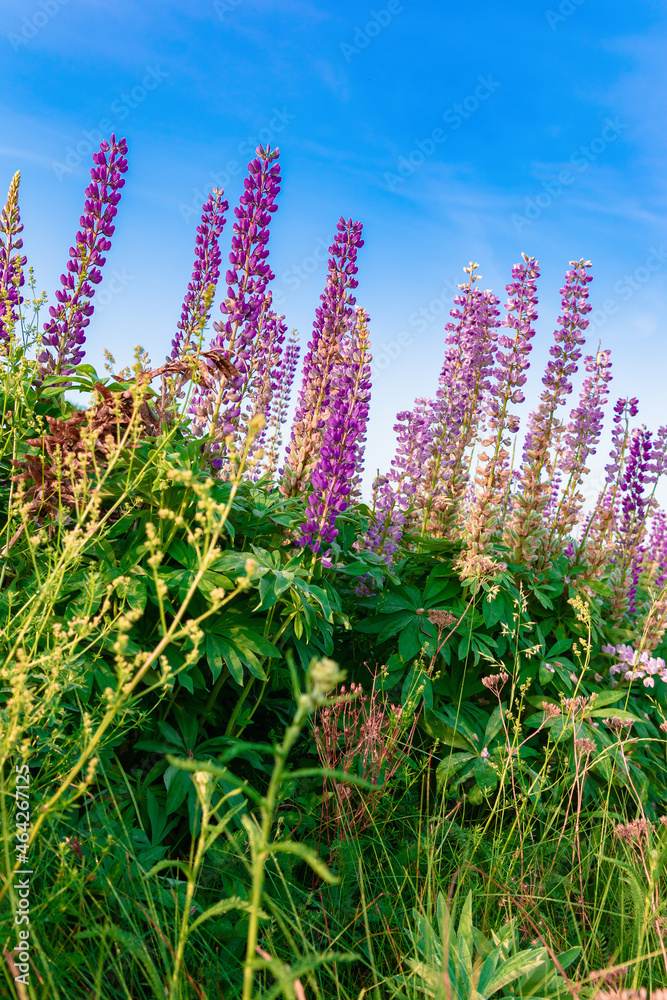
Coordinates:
(340, 458)
(206, 271)
(65, 331)
(632, 664)
(635, 506)
(624, 410)
(596, 534)
(238, 337)
(525, 530)
(11, 264)
(395, 492)
(657, 547)
(333, 319)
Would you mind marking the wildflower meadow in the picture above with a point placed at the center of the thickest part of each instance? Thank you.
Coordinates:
(263, 735)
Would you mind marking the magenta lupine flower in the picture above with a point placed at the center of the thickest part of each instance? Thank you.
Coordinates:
(65, 331)
(333, 320)
(526, 529)
(205, 273)
(11, 264)
(395, 492)
(239, 337)
(340, 458)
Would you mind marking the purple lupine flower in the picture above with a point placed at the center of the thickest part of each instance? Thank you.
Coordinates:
(642, 666)
(333, 320)
(526, 530)
(65, 331)
(635, 504)
(247, 305)
(624, 409)
(341, 454)
(395, 492)
(206, 271)
(11, 264)
(657, 546)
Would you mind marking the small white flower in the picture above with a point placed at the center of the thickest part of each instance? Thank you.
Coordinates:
(485, 752)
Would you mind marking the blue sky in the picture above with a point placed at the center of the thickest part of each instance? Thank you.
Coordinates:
(453, 133)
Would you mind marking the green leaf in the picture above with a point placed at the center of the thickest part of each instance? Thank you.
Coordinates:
(224, 906)
(515, 967)
(449, 767)
(410, 640)
(439, 729)
(307, 855)
(494, 610)
(485, 776)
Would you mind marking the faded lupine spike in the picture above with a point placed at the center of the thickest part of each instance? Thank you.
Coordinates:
(206, 271)
(65, 331)
(525, 532)
(273, 337)
(11, 264)
(464, 382)
(333, 319)
(492, 478)
(394, 493)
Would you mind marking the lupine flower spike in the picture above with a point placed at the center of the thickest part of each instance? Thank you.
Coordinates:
(238, 336)
(333, 320)
(11, 264)
(205, 274)
(339, 461)
(65, 331)
(492, 477)
(525, 532)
